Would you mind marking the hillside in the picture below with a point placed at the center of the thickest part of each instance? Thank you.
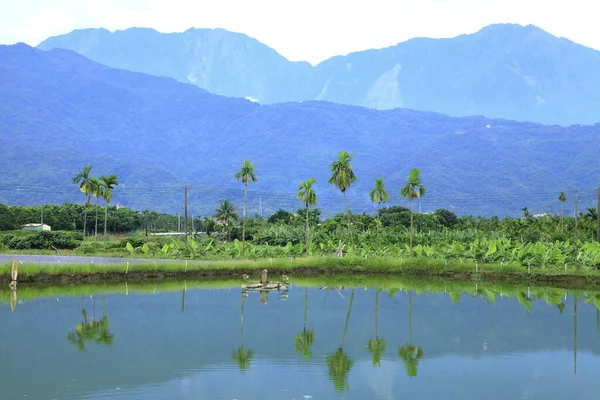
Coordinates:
(60, 111)
(503, 71)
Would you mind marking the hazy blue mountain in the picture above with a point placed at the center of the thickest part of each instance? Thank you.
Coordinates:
(60, 111)
(503, 71)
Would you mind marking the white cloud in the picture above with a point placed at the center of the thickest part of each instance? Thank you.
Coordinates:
(310, 30)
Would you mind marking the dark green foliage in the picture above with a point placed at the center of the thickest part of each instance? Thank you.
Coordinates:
(446, 218)
(46, 240)
(281, 216)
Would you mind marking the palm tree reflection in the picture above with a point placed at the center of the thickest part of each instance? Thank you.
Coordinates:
(377, 345)
(86, 331)
(409, 353)
(305, 339)
(339, 363)
(242, 355)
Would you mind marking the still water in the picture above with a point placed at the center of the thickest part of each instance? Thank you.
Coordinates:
(195, 340)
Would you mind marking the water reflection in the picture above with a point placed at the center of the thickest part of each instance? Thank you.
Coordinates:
(473, 338)
(409, 353)
(242, 355)
(339, 363)
(376, 345)
(88, 331)
(304, 340)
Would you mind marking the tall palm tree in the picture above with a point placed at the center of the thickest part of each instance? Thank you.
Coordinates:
(308, 196)
(226, 212)
(339, 363)
(342, 176)
(246, 175)
(413, 189)
(376, 346)
(242, 355)
(305, 338)
(107, 183)
(378, 194)
(84, 180)
(409, 353)
(562, 198)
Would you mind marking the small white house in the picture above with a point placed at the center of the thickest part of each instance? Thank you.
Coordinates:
(36, 227)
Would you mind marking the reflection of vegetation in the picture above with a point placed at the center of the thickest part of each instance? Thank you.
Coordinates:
(93, 330)
(305, 338)
(339, 363)
(377, 345)
(242, 355)
(409, 353)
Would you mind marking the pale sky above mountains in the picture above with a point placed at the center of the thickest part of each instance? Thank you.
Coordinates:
(311, 30)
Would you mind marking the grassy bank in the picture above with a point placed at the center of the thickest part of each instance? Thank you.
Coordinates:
(301, 267)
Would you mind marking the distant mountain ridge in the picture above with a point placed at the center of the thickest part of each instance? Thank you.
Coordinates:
(60, 111)
(503, 71)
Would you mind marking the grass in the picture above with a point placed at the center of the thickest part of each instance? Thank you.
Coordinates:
(298, 267)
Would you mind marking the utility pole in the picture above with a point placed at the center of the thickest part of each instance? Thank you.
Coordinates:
(185, 224)
(575, 208)
(598, 217)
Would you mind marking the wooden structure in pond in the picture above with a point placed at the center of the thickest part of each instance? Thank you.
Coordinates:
(264, 284)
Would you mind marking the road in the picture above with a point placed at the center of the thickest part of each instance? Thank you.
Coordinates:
(45, 259)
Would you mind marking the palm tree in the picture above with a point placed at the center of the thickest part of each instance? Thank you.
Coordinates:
(413, 189)
(339, 363)
(342, 176)
(84, 181)
(378, 194)
(107, 184)
(226, 212)
(308, 196)
(246, 175)
(242, 355)
(562, 198)
(409, 353)
(305, 338)
(376, 346)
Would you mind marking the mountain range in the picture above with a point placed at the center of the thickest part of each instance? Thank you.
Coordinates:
(60, 111)
(503, 71)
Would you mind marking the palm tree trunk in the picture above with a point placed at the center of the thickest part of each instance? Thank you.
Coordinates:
(412, 206)
(347, 209)
(307, 230)
(105, 218)
(244, 219)
(562, 213)
(347, 319)
(84, 220)
(96, 224)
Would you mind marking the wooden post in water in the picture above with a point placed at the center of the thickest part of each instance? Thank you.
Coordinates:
(263, 296)
(13, 300)
(263, 277)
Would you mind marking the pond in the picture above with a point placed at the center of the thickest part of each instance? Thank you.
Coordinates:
(345, 338)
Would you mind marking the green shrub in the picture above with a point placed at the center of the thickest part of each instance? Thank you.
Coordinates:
(46, 240)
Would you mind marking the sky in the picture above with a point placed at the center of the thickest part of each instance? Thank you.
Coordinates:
(309, 30)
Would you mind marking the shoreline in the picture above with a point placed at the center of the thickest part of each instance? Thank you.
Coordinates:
(161, 269)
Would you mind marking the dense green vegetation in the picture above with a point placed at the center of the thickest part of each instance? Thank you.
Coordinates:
(441, 239)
